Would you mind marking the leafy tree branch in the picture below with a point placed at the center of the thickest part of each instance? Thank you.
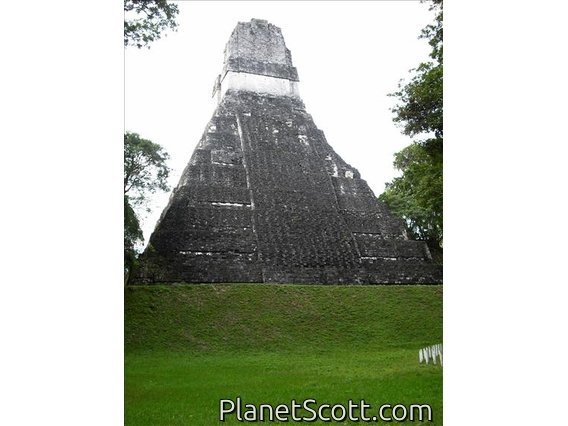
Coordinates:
(145, 20)
(145, 172)
(417, 195)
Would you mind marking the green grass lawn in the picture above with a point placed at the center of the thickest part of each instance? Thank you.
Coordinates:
(188, 347)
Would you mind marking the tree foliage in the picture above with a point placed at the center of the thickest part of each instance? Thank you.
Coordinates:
(132, 236)
(152, 17)
(420, 110)
(145, 168)
(416, 196)
(145, 172)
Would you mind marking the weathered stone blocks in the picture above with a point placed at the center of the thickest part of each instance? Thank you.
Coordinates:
(265, 198)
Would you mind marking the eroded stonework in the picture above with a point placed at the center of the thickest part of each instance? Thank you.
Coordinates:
(265, 198)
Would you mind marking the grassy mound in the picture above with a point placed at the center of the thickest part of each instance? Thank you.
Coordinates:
(248, 317)
(187, 347)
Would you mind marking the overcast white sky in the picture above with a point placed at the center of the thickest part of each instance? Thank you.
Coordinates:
(349, 56)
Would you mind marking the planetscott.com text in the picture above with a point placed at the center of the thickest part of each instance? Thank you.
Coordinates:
(309, 410)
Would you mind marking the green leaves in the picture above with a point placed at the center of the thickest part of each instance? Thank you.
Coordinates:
(145, 169)
(417, 195)
(132, 235)
(420, 109)
(145, 172)
(155, 16)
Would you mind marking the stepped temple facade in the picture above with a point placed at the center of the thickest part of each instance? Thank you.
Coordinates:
(265, 198)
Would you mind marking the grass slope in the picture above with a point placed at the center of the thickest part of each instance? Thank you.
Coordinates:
(187, 347)
(245, 317)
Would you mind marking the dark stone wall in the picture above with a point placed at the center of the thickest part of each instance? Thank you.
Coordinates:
(265, 198)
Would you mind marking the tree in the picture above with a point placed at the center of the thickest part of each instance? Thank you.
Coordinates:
(421, 107)
(132, 237)
(145, 168)
(145, 172)
(416, 196)
(157, 16)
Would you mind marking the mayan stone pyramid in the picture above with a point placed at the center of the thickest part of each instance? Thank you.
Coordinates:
(265, 198)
